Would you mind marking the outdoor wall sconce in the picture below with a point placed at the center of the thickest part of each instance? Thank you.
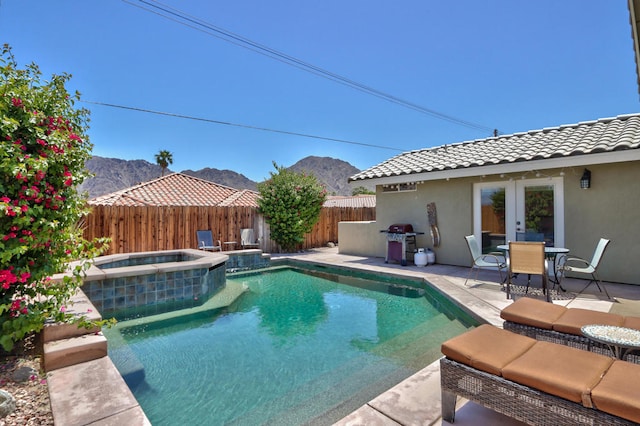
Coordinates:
(585, 180)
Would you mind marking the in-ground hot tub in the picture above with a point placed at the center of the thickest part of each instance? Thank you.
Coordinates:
(158, 281)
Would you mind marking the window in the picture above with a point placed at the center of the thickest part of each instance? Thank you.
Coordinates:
(400, 187)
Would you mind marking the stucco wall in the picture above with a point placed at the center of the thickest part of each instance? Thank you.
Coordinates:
(610, 208)
(453, 200)
(361, 238)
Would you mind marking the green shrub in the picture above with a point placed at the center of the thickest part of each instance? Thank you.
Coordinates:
(291, 203)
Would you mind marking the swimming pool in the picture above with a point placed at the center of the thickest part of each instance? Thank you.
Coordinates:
(293, 346)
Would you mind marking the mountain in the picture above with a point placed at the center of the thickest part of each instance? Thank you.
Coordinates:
(333, 173)
(224, 177)
(114, 174)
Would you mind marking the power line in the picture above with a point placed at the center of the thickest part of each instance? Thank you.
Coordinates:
(183, 18)
(245, 126)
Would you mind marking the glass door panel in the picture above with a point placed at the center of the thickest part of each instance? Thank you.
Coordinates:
(537, 224)
(539, 214)
(492, 218)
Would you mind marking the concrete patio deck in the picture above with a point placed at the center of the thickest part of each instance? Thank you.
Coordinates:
(416, 400)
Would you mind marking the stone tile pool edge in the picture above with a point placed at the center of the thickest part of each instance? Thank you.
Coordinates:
(402, 404)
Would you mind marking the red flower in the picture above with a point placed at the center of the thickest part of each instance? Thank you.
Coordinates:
(17, 102)
(7, 277)
(68, 182)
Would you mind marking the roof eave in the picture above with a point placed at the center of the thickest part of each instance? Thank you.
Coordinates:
(514, 167)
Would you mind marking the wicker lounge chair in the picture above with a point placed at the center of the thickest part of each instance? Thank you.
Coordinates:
(558, 324)
(537, 382)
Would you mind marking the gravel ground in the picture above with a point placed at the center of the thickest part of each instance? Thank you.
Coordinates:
(21, 375)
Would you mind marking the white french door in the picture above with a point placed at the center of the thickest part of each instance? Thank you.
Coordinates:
(531, 209)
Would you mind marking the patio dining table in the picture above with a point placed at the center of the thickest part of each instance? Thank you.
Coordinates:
(551, 253)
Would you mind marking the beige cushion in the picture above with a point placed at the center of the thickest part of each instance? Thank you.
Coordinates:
(631, 322)
(487, 348)
(618, 393)
(573, 319)
(560, 370)
(533, 312)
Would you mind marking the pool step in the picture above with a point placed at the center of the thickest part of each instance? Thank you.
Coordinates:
(93, 393)
(129, 366)
(79, 306)
(66, 352)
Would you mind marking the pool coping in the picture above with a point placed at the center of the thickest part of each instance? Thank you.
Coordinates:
(416, 400)
(202, 259)
(402, 404)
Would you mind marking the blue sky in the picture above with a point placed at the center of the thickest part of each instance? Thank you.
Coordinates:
(510, 65)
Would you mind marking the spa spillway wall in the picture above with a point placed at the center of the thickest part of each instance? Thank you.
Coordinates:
(156, 281)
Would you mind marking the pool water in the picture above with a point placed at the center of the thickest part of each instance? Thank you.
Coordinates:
(294, 348)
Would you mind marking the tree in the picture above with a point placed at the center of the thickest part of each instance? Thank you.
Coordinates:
(43, 150)
(291, 204)
(163, 159)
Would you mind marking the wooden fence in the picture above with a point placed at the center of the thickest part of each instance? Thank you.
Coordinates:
(136, 229)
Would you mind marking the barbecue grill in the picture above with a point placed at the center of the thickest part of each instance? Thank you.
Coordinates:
(401, 239)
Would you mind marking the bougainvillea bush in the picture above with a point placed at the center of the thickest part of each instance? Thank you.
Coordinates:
(43, 149)
(291, 203)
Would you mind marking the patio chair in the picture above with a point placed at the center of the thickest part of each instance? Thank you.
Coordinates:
(205, 241)
(479, 260)
(527, 257)
(582, 266)
(248, 239)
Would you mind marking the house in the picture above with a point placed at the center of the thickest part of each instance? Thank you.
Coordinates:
(570, 184)
(165, 213)
(177, 189)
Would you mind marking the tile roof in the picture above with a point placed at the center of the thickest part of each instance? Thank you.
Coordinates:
(357, 201)
(600, 136)
(178, 189)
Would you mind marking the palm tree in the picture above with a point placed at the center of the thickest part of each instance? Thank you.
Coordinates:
(163, 159)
